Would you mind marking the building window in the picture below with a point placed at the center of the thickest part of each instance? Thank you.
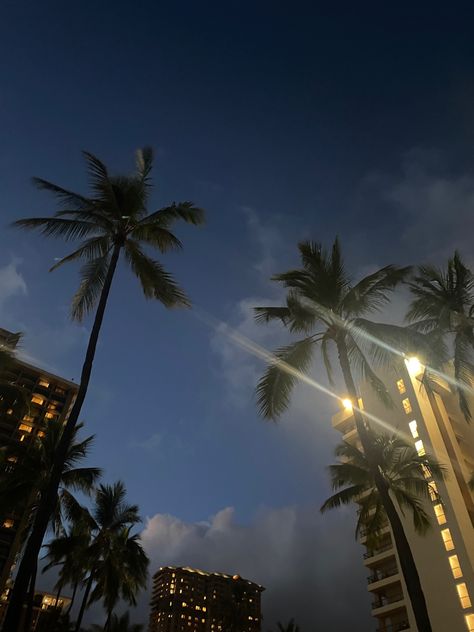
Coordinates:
(470, 622)
(36, 399)
(8, 523)
(433, 488)
(439, 512)
(25, 428)
(447, 539)
(401, 386)
(414, 428)
(406, 406)
(455, 566)
(420, 448)
(43, 383)
(463, 595)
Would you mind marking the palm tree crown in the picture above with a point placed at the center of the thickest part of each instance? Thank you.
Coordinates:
(115, 216)
(326, 307)
(406, 474)
(119, 624)
(443, 303)
(289, 627)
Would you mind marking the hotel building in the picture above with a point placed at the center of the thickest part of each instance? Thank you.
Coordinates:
(445, 555)
(194, 600)
(49, 397)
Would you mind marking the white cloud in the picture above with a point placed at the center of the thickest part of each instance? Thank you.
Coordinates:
(12, 283)
(309, 564)
(153, 443)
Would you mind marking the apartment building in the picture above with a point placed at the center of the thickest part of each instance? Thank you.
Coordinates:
(431, 418)
(194, 600)
(49, 397)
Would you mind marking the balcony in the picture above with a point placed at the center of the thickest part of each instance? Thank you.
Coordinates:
(375, 552)
(401, 626)
(393, 602)
(383, 574)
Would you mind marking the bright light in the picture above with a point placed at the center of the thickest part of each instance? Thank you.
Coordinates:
(347, 404)
(414, 366)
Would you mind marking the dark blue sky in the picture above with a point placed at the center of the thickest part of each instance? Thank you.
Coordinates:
(285, 121)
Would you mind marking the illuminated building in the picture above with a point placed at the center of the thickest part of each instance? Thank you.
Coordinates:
(445, 555)
(50, 397)
(194, 600)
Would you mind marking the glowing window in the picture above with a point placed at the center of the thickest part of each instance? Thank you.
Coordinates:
(28, 418)
(426, 472)
(22, 437)
(25, 428)
(49, 415)
(401, 387)
(420, 448)
(414, 428)
(43, 383)
(447, 539)
(40, 433)
(455, 566)
(463, 595)
(433, 491)
(36, 399)
(470, 622)
(8, 523)
(439, 512)
(406, 405)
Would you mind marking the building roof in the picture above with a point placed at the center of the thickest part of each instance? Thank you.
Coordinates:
(198, 571)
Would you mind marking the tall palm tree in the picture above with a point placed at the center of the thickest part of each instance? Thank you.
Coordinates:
(117, 563)
(327, 308)
(406, 474)
(443, 303)
(111, 222)
(119, 624)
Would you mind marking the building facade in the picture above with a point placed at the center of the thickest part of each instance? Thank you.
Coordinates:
(431, 418)
(47, 397)
(195, 600)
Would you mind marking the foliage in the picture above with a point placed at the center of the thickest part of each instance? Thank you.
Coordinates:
(119, 624)
(404, 471)
(289, 627)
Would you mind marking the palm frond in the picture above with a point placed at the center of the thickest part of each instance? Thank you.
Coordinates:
(68, 229)
(343, 497)
(155, 281)
(185, 211)
(66, 198)
(373, 292)
(93, 275)
(91, 249)
(267, 314)
(274, 388)
(155, 235)
(362, 367)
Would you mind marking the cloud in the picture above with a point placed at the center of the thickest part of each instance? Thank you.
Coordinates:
(152, 443)
(12, 283)
(310, 566)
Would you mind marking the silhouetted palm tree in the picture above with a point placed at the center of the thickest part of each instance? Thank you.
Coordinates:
(326, 307)
(113, 221)
(117, 564)
(289, 627)
(405, 472)
(119, 624)
(443, 303)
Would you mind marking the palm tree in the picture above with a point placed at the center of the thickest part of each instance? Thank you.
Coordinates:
(117, 562)
(443, 303)
(119, 624)
(324, 306)
(111, 222)
(289, 627)
(406, 475)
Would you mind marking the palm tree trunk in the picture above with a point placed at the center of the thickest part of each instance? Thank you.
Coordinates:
(73, 596)
(58, 594)
(84, 602)
(107, 622)
(407, 562)
(49, 498)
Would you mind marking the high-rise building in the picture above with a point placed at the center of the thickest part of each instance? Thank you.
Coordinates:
(194, 600)
(49, 397)
(444, 557)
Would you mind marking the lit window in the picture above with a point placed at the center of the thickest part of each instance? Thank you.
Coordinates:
(22, 437)
(406, 405)
(420, 448)
(43, 383)
(455, 566)
(40, 434)
(25, 428)
(426, 471)
(414, 428)
(8, 523)
(434, 495)
(401, 387)
(463, 595)
(470, 622)
(447, 539)
(49, 415)
(28, 418)
(439, 512)
(36, 399)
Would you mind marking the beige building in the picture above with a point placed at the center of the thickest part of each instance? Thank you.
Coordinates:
(50, 397)
(445, 556)
(194, 600)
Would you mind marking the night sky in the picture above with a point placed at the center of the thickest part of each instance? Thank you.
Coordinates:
(285, 121)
